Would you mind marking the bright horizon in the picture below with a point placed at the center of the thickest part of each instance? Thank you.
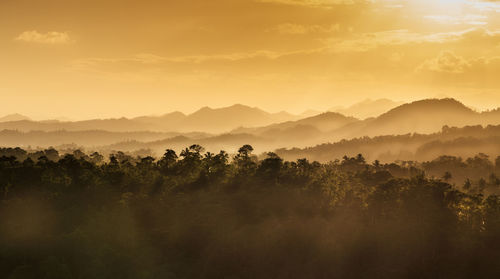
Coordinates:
(94, 59)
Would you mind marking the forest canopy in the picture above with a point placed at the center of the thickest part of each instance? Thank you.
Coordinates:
(198, 214)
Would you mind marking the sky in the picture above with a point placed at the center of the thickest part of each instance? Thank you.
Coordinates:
(111, 58)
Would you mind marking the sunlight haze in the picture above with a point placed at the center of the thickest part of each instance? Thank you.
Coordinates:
(99, 59)
(269, 139)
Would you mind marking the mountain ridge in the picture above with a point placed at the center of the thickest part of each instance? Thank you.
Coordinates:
(14, 117)
(209, 120)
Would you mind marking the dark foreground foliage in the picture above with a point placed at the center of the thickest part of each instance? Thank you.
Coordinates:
(206, 216)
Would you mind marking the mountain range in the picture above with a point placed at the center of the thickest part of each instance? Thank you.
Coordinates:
(367, 108)
(14, 117)
(425, 116)
(204, 120)
(230, 127)
(466, 142)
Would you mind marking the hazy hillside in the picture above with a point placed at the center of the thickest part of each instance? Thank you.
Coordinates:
(13, 117)
(226, 119)
(204, 120)
(11, 138)
(426, 116)
(367, 108)
(112, 125)
(464, 142)
(165, 121)
(323, 123)
(229, 142)
(423, 117)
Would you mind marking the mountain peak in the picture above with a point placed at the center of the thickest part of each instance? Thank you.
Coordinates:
(174, 113)
(14, 117)
(423, 116)
(367, 108)
(205, 108)
(439, 106)
(239, 106)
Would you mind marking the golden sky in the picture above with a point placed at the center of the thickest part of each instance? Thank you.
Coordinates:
(109, 58)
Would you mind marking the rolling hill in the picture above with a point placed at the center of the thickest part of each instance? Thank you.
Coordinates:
(204, 120)
(426, 116)
(367, 108)
(463, 142)
(14, 117)
(323, 122)
(421, 117)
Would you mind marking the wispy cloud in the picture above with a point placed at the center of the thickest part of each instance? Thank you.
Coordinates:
(462, 19)
(312, 3)
(485, 5)
(368, 41)
(446, 62)
(452, 69)
(298, 29)
(51, 38)
(154, 60)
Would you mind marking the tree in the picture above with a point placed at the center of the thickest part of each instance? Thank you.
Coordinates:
(96, 158)
(168, 161)
(245, 151)
(269, 168)
(447, 176)
(244, 162)
(467, 185)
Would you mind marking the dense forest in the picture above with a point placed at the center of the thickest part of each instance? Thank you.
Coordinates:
(205, 215)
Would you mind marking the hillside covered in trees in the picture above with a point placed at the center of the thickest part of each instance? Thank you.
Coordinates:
(452, 141)
(208, 215)
(419, 130)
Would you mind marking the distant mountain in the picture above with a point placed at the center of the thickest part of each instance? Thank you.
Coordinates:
(464, 142)
(311, 130)
(204, 120)
(89, 138)
(227, 142)
(310, 113)
(367, 108)
(166, 122)
(14, 117)
(174, 117)
(112, 125)
(323, 122)
(226, 119)
(267, 130)
(426, 116)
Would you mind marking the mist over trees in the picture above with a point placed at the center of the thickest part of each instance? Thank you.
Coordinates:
(461, 142)
(250, 139)
(412, 193)
(197, 214)
(420, 131)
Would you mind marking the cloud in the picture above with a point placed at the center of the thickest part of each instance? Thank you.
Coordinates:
(486, 6)
(298, 29)
(445, 62)
(176, 64)
(313, 3)
(51, 38)
(459, 19)
(448, 68)
(369, 41)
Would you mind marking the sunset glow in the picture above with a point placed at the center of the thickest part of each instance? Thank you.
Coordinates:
(152, 57)
(188, 139)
